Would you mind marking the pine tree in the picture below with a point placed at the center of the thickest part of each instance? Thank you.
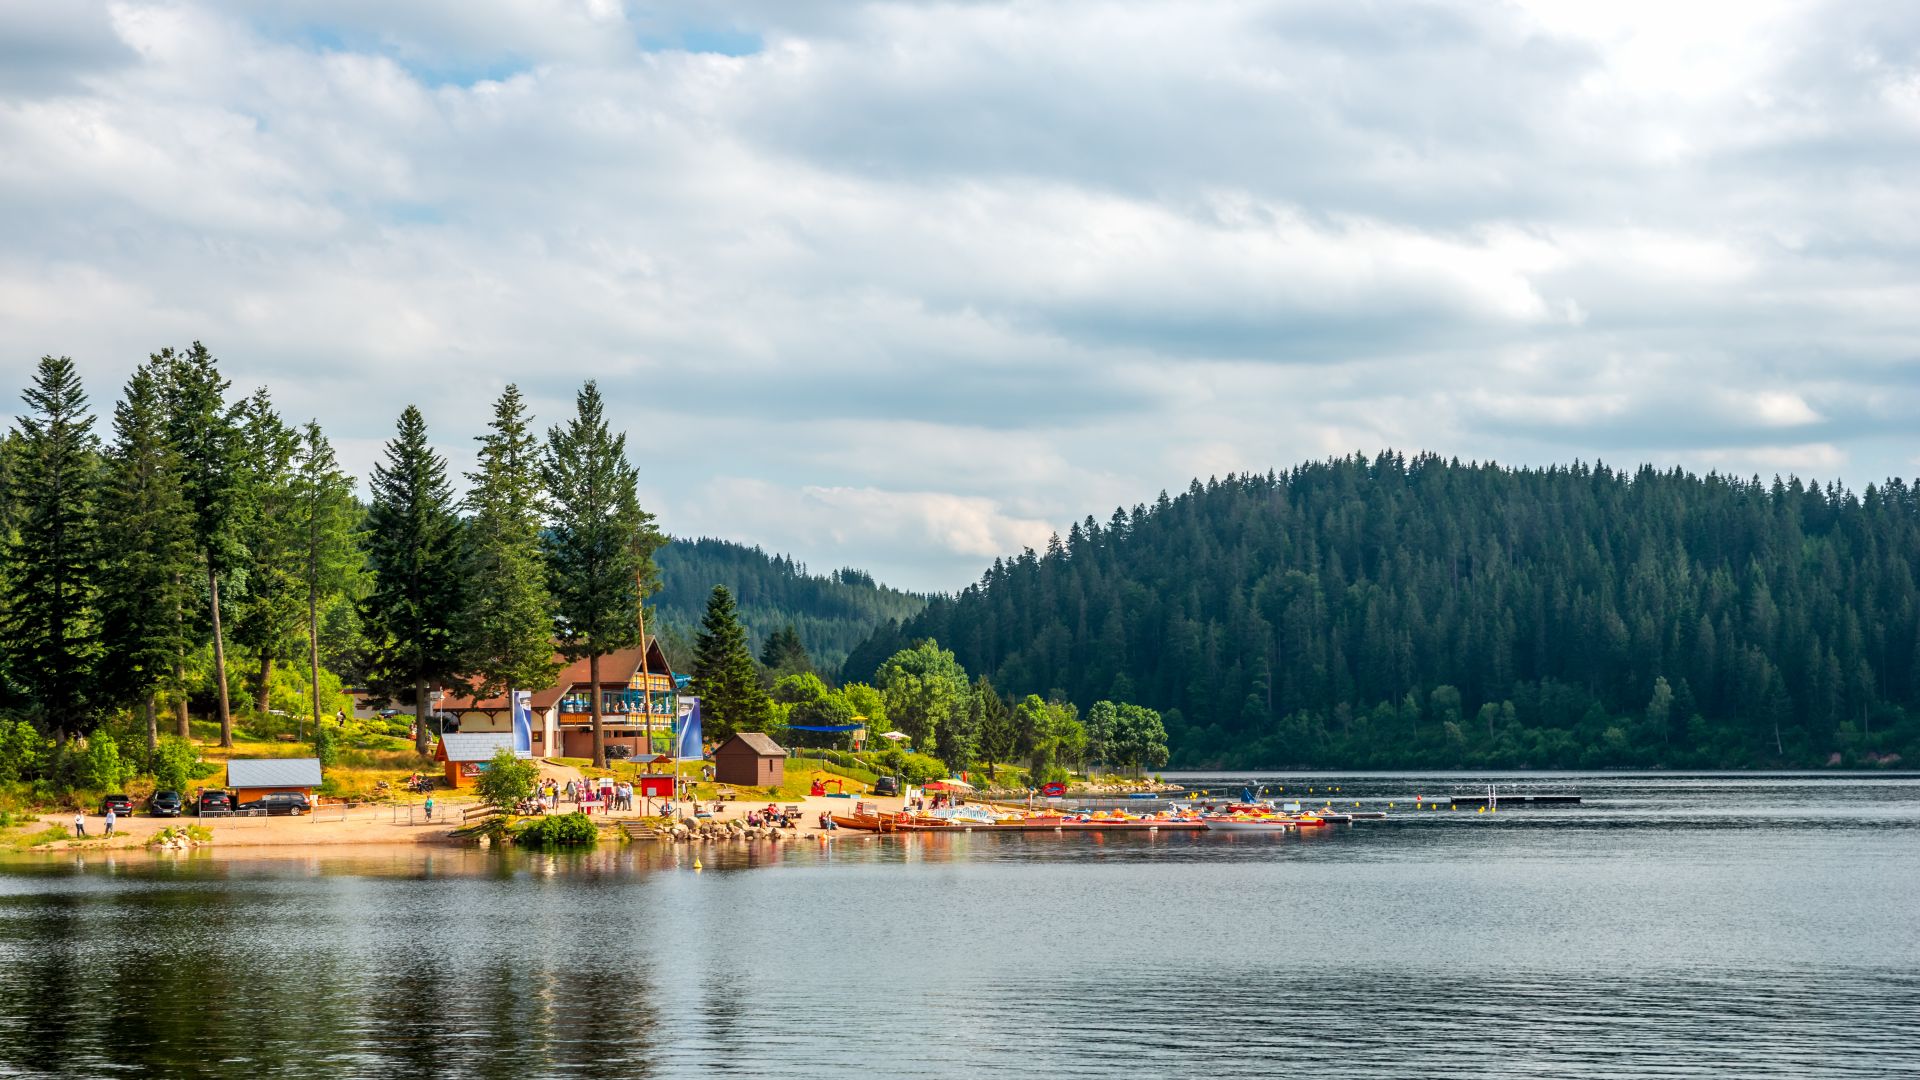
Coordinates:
(508, 624)
(724, 678)
(52, 631)
(785, 654)
(268, 612)
(148, 562)
(414, 550)
(327, 549)
(599, 544)
(205, 434)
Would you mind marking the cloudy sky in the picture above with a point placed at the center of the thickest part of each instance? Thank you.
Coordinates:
(906, 285)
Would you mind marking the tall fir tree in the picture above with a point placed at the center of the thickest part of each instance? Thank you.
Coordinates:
(323, 518)
(148, 567)
(269, 611)
(724, 677)
(508, 624)
(52, 630)
(599, 544)
(414, 551)
(205, 433)
(785, 654)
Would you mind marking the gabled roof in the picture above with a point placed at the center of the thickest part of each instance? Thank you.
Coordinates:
(617, 669)
(273, 772)
(757, 742)
(476, 745)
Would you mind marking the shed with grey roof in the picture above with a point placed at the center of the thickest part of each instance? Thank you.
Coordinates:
(465, 754)
(250, 778)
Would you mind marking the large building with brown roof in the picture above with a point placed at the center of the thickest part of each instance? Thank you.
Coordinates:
(563, 712)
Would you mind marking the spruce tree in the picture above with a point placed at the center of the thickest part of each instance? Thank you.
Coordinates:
(206, 435)
(269, 610)
(599, 544)
(52, 630)
(724, 678)
(148, 566)
(328, 551)
(414, 550)
(785, 654)
(508, 624)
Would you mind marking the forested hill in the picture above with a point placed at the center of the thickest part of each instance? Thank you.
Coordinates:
(832, 613)
(1395, 612)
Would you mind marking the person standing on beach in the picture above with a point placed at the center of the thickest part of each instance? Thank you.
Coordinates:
(429, 808)
(80, 823)
(110, 820)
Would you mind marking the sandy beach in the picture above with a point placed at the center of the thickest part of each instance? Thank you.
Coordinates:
(385, 825)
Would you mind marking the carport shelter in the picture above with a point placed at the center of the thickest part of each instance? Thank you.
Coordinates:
(250, 778)
(465, 754)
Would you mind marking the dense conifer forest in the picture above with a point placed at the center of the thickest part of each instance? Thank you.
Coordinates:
(831, 613)
(1401, 612)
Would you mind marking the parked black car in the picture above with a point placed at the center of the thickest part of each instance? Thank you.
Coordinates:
(213, 803)
(165, 804)
(119, 804)
(277, 804)
(887, 785)
(618, 751)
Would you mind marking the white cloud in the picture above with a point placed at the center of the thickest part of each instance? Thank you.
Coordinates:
(908, 285)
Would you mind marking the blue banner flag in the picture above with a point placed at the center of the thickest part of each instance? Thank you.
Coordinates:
(523, 722)
(686, 730)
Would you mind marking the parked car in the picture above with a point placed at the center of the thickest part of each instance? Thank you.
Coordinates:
(165, 804)
(277, 804)
(887, 785)
(119, 804)
(213, 803)
(618, 751)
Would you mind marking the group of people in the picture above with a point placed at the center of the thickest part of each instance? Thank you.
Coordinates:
(606, 792)
(772, 815)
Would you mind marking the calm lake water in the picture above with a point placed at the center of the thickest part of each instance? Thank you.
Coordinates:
(1749, 926)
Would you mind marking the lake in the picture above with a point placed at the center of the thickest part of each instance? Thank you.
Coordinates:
(1670, 926)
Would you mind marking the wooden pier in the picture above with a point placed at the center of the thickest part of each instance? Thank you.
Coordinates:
(1516, 800)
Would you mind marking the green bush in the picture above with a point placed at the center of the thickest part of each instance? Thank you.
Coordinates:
(910, 767)
(101, 768)
(175, 764)
(325, 746)
(506, 780)
(560, 830)
(23, 752)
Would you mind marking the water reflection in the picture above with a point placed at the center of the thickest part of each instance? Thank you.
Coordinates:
(1671, 927)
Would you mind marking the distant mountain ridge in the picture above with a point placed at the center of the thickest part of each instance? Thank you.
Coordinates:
(1399, 612)
(832, 613)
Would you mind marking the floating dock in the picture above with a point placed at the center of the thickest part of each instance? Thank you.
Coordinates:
(1516, 800)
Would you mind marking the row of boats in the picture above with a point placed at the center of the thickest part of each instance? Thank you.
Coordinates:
(973, 817)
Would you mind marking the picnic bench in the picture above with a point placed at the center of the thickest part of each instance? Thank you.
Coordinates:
(726, 794)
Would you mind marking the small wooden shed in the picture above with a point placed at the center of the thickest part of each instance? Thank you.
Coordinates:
(250, 778)
(465, 755)
(750, 759)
